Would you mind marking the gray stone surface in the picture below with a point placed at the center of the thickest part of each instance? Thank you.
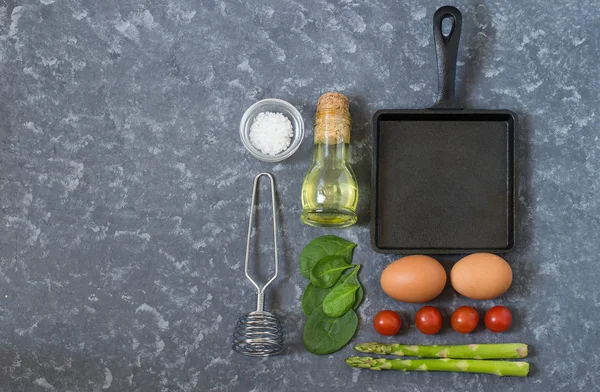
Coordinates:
(124, 187)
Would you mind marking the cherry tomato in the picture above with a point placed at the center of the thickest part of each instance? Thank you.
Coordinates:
(498, 319)
(387, 322)
(429, 320)
(464, 319)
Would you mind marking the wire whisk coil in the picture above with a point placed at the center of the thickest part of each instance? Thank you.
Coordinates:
(259, 333)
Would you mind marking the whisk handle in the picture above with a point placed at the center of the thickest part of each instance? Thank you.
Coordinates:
(250, 220)
(260, 301)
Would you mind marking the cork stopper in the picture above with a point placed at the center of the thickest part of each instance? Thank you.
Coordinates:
(333, 101)
(332, 120)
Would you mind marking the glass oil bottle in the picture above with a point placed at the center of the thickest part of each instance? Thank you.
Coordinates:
(330, 189)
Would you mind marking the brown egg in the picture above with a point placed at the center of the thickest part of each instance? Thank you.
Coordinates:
(413, 279)
(481, 276)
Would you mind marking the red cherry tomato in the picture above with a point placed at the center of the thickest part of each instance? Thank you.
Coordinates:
(464, 319)
(429, 320)
(498, 319)
(387, 322)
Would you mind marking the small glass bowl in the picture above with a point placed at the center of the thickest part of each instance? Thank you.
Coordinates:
(276, 106)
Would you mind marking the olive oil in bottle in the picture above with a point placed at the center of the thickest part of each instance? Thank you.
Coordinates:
(330, 190)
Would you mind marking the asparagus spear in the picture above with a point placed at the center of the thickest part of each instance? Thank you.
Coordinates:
(467, 351)
(499, 368)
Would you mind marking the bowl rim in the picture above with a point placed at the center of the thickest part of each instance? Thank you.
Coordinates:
(296, 140)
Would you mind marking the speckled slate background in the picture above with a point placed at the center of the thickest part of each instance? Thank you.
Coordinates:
(124, 187)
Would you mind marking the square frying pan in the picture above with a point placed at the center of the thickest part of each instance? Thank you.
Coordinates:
(444, 179)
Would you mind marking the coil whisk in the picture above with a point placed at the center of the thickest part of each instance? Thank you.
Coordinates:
(259, 333)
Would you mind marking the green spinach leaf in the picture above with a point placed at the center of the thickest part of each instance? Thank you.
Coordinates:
(352, 277)
(325, 335)
(313, 298)
(327, 271)
(340, 299)
(320, 247)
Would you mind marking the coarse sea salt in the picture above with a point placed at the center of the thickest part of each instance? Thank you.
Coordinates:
(271, 132)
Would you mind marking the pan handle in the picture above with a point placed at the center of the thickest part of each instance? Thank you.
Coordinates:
(446, 50)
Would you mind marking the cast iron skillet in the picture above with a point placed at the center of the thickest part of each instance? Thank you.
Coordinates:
(443, 179)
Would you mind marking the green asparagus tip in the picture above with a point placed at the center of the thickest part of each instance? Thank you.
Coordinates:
(360, 362)
(370, 347)
(369, 363)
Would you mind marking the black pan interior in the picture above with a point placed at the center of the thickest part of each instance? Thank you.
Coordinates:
(443, 181)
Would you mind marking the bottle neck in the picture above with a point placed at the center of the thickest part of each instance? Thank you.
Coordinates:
(332, 127)
(330, 152)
